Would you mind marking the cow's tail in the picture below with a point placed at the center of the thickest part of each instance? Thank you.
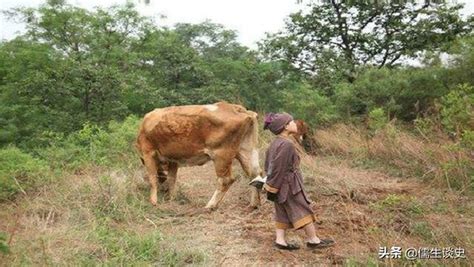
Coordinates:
(254, 129)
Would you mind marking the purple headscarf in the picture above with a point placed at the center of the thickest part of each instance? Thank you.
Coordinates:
(276, 122)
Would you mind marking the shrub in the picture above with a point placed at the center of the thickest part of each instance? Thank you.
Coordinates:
(457, 113)
(19, 171)
(377, 119)
(93, 145)
(310, 105)
(403, 93)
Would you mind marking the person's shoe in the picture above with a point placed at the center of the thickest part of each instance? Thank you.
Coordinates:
(324, 243)
(287, 247)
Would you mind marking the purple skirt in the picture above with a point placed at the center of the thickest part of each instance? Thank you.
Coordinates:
(295, 212)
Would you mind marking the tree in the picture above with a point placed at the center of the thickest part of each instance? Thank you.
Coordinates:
(462, 61)
(72, 66)
(211, 40)
(339, 36)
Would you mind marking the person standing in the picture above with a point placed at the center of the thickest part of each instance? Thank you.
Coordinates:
(284, 185)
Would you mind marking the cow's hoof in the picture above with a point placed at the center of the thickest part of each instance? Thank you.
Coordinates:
(153, 201)
(209, 209)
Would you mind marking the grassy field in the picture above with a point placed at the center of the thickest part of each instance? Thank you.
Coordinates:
(96, 211)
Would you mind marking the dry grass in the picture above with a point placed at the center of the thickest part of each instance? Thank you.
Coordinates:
(443, 163)
(101, 216)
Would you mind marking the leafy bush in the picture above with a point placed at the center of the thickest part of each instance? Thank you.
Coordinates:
(457, 110)
(377, 119)
(310, 105)
(403, 93)
(19, 171)
(93, 145)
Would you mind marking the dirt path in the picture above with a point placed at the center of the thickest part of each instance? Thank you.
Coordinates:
(235, 235)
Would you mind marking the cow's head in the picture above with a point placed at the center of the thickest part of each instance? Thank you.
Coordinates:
(303, 130)
(303, 136)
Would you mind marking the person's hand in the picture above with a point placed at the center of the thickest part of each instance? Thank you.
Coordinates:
(272, 196)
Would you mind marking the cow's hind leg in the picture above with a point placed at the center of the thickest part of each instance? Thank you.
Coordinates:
(151, 169)
(225, 179)
(249, 162)
(172, 174)
(162, 174)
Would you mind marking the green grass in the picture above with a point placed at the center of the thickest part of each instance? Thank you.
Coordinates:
(407, 205)
(423, 230)
(19, 172)
(4, 248)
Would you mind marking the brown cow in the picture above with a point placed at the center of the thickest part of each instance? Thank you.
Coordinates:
(195, 134)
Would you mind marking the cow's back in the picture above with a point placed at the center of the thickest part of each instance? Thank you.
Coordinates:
(183, 132)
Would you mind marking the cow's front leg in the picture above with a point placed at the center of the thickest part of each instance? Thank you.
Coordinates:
(224, 180)
(224, 184)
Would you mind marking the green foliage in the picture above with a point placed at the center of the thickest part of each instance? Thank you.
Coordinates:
(457, 109)
(70, 68)
(377, 119)
(31, 101)
(467, 139)
(462, 61)
(92, 144)
(310, 105)
(211, 40)
(403, 93)
(75, 66)
(19, 172)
